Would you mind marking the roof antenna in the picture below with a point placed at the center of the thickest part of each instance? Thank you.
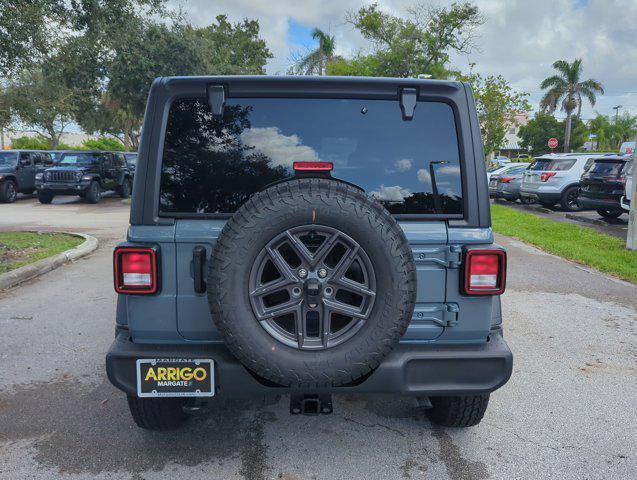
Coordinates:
(408, 97)
(216, 100)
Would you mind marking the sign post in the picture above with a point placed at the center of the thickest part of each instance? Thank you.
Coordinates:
(552, 143)
(631, 238)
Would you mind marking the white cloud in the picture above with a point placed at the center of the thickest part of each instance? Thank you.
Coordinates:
(403, 165)
(282, 149)
(520, 39)
(424, 176)
(390, 194)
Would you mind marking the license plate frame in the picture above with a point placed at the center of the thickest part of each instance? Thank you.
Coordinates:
(182, 383)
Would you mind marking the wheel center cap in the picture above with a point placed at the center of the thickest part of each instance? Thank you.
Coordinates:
(312, 288)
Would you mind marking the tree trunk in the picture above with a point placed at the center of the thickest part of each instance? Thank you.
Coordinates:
(321, 57)
(567, 133)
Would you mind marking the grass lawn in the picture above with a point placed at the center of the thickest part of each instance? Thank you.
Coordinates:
(580, 244)
(21, 248)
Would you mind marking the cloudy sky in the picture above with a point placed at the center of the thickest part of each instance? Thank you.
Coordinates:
(520, 38)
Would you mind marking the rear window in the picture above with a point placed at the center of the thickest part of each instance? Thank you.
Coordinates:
(214, 165)
(556, 165)
(607, 168)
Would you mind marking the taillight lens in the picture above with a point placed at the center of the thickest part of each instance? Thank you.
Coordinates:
(313, 166)
(135, 270)
(484, 272)
(545, 176)
(506, 179)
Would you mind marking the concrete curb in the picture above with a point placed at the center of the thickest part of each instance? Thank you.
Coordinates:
(592, 221)
(33, 270)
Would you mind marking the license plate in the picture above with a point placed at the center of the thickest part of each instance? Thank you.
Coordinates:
(175, 377)
(492, 183)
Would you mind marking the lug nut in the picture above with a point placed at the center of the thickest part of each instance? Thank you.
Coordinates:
(322, 273)
(302, 273)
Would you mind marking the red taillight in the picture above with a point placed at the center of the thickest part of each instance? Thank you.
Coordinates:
(615, 179)
(313, 166)
(545, 176)
(506, 179)
(485, 272)
(135, 270)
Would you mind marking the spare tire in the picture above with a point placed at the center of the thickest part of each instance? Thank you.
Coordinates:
(311, 283)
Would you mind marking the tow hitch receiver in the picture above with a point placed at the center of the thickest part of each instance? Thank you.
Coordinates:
(301, 404)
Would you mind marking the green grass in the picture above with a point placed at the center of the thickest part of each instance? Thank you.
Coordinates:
(21, 248)
(580, 244)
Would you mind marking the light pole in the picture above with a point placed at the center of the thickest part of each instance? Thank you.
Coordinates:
(616, 108)
(631, 238)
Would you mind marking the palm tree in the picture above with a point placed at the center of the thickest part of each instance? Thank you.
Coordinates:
(565, 87)
(316, 60)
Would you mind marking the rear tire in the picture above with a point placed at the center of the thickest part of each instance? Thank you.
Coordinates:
(45, 198)
(569, 199)
(610, 213)
(93, 193)
(125, 189)
(8, 191)
(157, 413)
(465, 411)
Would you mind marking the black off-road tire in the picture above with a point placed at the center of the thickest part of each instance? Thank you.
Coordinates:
(610, 213)
(157, 413)
(465, 411)
(45, 198)
(93, 193)
(311, 202)
(566, 201)
(125, 189)
(8, 191)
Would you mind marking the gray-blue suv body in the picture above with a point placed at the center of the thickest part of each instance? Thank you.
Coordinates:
(309, 236)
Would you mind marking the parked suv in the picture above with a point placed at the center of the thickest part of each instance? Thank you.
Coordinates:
(628, 189)
(309, 236)
(554, 178)
(603, 185)
(86, 174)
(18, 169)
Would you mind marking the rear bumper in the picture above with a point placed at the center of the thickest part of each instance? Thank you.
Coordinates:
(625, 203)
(599, 203)
(410, 369)
(540, 196)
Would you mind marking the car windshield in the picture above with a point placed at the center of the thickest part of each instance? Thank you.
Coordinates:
(80, 158)
(607, 168)
(8, 159)
(214, 165)
(131, 159)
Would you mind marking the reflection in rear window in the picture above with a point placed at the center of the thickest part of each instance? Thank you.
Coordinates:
(607, 168)
(540, 164)
(214, 165)
(556, 165)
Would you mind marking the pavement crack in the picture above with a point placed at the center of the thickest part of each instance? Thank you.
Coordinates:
(375, 425)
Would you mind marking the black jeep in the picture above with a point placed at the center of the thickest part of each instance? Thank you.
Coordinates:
(18, 170)
(309, 236)
(86, 174)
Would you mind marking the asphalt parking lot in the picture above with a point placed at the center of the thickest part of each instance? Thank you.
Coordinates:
(567, 412)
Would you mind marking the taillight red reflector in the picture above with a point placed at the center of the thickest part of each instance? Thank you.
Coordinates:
(313, 166)
(135, 270)
(485, 272)
(545, 176)
(506, 179)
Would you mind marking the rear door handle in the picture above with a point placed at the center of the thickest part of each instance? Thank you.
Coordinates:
(198, 262)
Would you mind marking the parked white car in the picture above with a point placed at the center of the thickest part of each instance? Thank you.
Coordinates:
(554, 178)
(625, 200)
(503, 169)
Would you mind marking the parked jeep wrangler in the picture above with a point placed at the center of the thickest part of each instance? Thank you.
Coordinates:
(86, 174)
(309, 236)
(18, 169)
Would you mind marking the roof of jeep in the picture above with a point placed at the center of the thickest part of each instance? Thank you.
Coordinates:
(243, 85)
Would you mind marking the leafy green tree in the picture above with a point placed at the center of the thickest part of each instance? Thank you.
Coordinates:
(30, 31)
(316, 61)
(534, 135)
(566, 90)
(409, 47)
(623, 129)
(103, 143)
(42, 104)
(497, 104)
(31, 143)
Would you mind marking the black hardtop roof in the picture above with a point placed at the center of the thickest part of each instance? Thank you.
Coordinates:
(295, 85)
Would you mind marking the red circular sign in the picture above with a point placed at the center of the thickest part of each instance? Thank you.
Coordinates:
(552, 142)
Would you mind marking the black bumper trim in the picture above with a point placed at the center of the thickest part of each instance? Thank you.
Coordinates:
(410, 369)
